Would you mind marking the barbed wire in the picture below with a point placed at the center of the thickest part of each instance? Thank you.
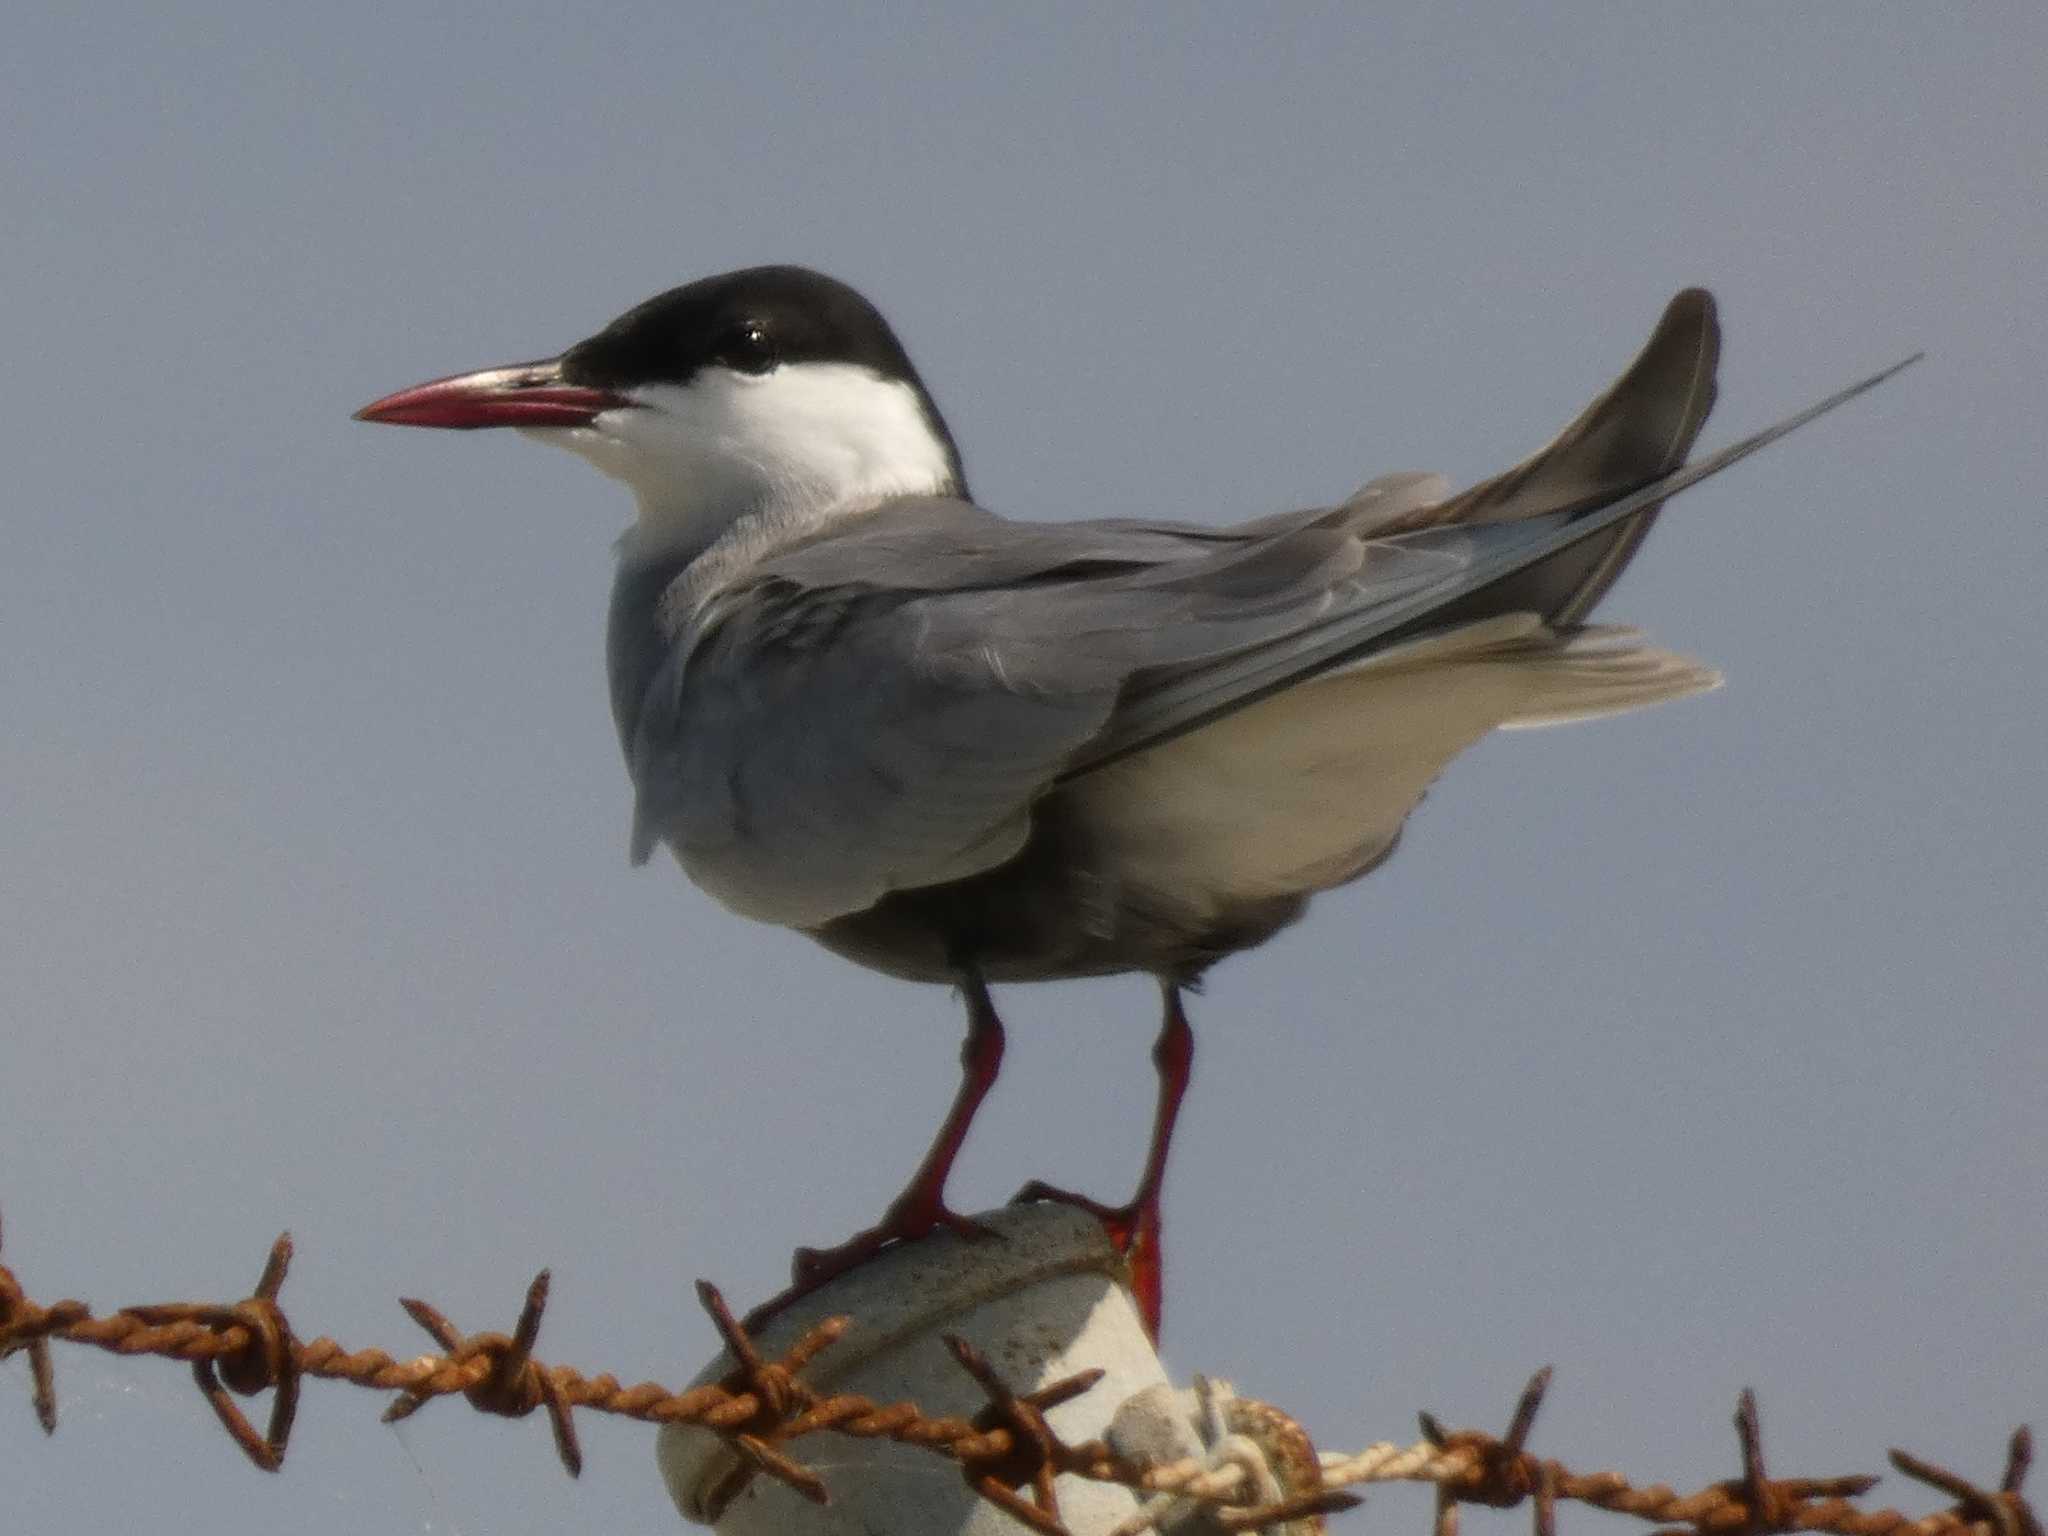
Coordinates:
(1007, 1453)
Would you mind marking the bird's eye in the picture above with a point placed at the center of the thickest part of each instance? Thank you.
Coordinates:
(749, 348)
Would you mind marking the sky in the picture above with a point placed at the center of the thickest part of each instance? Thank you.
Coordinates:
(1688, 1051)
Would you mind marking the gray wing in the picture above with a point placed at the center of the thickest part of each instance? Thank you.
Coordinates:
(880, 709)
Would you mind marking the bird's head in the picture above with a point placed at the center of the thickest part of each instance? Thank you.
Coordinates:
(773, 390)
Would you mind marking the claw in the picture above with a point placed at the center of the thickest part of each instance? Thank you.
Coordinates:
(1135, 1230)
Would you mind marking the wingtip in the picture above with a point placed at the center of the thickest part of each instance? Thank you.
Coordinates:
(1692, 311)
(1694, 300)
(1687, 337)
(1864, 386)
(1697, 306)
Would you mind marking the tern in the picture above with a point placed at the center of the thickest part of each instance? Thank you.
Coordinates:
(962, 749)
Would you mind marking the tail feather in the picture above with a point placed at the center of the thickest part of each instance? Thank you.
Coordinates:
(1547, 678)
(1603, 671)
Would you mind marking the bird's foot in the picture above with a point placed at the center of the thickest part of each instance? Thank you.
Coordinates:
(1135, 1230)
(913, 1215)
(1119, 1221)
(903, 1222)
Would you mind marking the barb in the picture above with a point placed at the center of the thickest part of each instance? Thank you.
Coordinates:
(1016, 1447)
(249, 1347)
(2006, 1511)
(24, 1325)
(773, 1395)
(513, 1383)
(261, 1356)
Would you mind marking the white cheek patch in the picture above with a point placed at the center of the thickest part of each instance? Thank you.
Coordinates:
(801, 440)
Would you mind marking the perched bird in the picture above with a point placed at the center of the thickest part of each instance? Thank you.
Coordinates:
(957, 748)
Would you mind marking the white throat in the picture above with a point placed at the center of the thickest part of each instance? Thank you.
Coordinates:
(785, 450)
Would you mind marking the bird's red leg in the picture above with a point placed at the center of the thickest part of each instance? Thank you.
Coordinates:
(922, 1205)
(1135, 1226)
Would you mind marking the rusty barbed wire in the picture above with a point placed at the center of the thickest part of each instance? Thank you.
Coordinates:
(1008, 1454)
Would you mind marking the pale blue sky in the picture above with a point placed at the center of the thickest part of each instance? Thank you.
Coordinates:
(1698, 1049)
